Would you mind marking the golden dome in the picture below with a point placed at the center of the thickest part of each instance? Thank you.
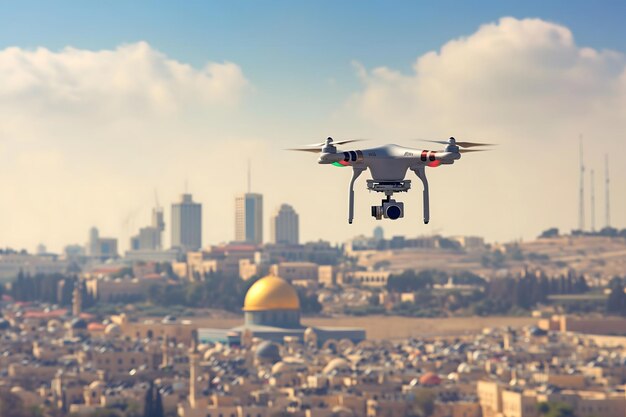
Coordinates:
(271, 293)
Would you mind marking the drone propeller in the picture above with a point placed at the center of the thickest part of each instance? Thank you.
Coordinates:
(453, 141)
(313, 150)
(318, 147)
(473, 150)
(330, 141)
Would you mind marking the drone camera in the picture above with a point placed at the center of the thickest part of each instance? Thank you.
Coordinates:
(389, 209)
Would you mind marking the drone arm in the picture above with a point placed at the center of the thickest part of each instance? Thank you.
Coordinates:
(420, 171)
(355, 174)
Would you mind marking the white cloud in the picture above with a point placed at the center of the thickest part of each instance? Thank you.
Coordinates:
(507, 73)
(129, 80)
(527, 85)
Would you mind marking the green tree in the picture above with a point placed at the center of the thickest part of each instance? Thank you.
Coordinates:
(581, 286)
(105, 412)
(423, 403)
(149, 402)
(411, 281)
(11, 406)
(616, 303)
(158, 404)
(309, 304)
(548, 233)
(555, 410)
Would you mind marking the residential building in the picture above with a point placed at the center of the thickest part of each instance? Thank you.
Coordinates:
(284, 226)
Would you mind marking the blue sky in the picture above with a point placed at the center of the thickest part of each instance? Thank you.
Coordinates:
(305, 40)
(304, 47)
(108, 119)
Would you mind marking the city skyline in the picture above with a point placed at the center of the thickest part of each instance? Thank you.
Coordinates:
(313, 208)
(125, 238)
(197, 101)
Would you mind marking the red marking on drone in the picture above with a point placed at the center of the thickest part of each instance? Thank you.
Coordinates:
(434, 164)
(344, 163)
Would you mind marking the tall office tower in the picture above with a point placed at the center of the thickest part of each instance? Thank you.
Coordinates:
(187, 224)
(249, 218)
(93, 245)
(150, 237)
(157, 218)
(284, 226)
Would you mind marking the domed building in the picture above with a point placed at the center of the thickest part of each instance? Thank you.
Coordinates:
(272, 301)
(272, 312)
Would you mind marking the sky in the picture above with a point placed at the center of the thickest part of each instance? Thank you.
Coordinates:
(106, 107)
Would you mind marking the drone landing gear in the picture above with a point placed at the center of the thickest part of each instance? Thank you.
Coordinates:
(355, 174)
(421, 174)
(389, 208)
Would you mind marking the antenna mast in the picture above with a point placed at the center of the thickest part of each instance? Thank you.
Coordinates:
(581, 207)
(606, 197)
(593, 203)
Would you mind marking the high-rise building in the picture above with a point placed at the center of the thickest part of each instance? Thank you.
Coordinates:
(249, 218)
(157, 218)
(187, 224)
(284, 226)
(92, 246)
(102, 248)
(150, 237)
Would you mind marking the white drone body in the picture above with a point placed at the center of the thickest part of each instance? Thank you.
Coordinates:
(388, 166)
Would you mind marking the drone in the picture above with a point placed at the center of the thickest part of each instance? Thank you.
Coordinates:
(388, 166)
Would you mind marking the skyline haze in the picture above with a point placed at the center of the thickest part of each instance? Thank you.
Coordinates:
(92, 125)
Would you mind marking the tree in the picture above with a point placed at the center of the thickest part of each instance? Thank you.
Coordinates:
(149, 406)
(616, 303)
(308, 302)
(424, 403)
(158, 404)
(410, 281)
(11, 406)
(555, 410)
(581, 286)
(105, 412)
(548, 233)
